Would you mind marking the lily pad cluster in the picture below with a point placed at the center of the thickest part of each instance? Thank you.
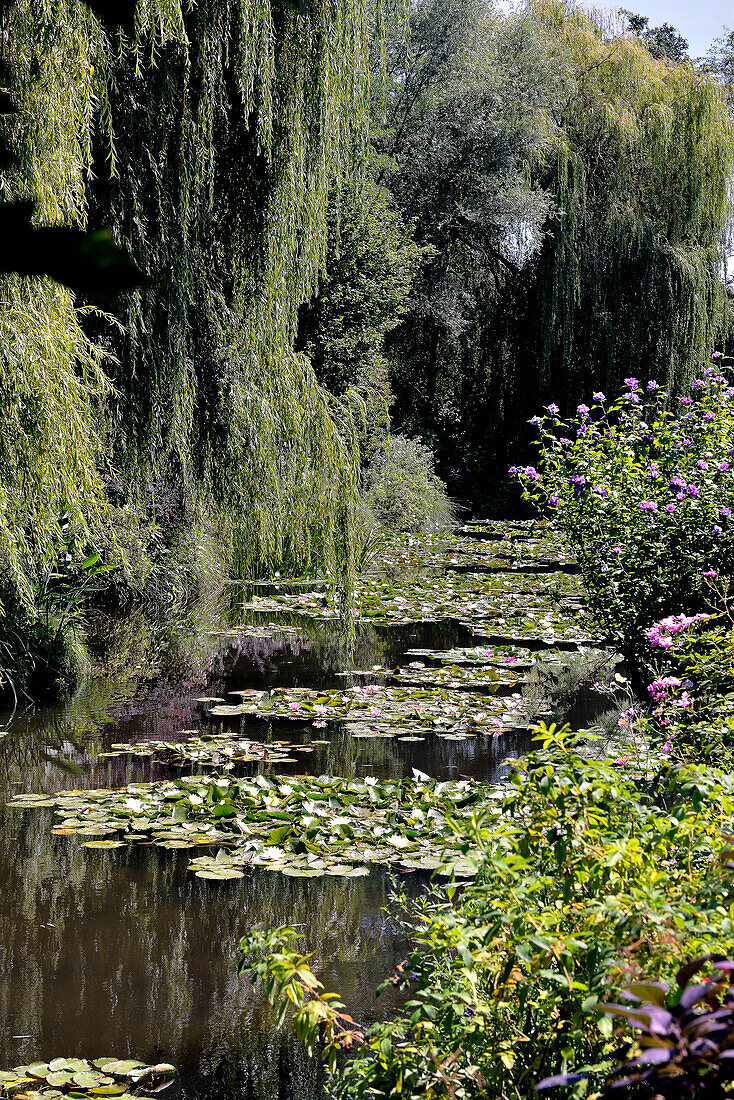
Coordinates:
(392, 709)
(215, 750)
(80, 1079)
(436, 595)
(457, 677)
(302, 827)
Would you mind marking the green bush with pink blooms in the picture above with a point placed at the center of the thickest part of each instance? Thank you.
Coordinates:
(643, 488)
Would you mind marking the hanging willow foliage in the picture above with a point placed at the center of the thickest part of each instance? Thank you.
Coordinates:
(630, 279)
(211, 142)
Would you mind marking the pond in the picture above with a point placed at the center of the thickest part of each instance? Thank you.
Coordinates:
(125, 952)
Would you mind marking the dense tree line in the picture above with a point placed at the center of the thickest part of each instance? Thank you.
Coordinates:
(424, 221)
(567, 178)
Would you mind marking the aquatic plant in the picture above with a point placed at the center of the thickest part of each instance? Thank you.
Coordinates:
(302, 826)
(83, 1079)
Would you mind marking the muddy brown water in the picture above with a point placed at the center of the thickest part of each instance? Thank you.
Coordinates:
(124, 952)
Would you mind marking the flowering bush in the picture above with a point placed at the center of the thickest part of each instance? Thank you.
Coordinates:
(693, 705)
(645, 495)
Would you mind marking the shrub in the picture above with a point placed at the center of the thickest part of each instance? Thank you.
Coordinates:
(685, 1050)
(589, 882)
(646, 498)
(402, 491)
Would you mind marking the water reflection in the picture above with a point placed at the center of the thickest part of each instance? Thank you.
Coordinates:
(127, 953)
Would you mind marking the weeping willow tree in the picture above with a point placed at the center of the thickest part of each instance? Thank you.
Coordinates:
(630, 278)
(211, 139)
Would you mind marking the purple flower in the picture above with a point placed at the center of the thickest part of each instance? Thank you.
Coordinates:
(698, 384)
(717, 354)
(583, 410)
(717, 531)
(711, 573)
(702, 465)
(617, 550)
(677, 483)
(707, 416)
(553, 410)
(599, 396)
(693, 490)
(723, 465)
(726, 512)
(669, 507)
(631, 397)
(648, 506)
(631, 383)
(686, 400)
(577, 480)
(651, 385)
(535, 420)
(581, 431)
(511, 470)
(600, 490)
(553, 501)
(531, 473)
(564, 441)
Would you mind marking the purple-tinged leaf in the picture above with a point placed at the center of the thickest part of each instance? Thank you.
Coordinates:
(686, 972)
(652, 1056)
(649, 991)
(648, 1018)
(693, 993)
(559, 1079)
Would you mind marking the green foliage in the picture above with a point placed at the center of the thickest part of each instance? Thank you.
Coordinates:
(587, 882)
(290, 983)
(645, 496)
(662, 42)
(401, 490)
(719, 63)
(369, 266)
(461, 123)
(574, 189)
(210, 138)
(217, 416)
(631, 279)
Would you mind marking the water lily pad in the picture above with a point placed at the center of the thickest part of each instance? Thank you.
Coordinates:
(122, 1068)
(223, 873)
(87, 1079)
